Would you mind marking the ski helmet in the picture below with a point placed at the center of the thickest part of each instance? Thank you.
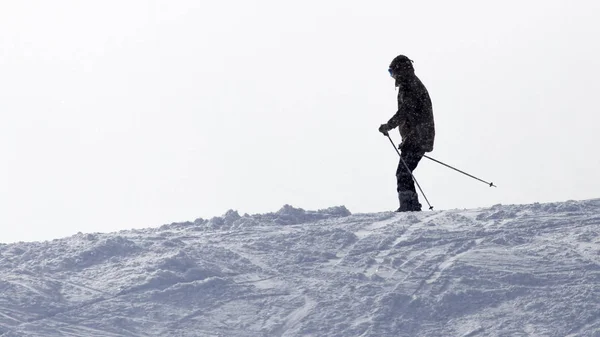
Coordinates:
(400, 63)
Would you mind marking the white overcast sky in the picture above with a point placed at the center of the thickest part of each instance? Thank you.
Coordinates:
(126, 114)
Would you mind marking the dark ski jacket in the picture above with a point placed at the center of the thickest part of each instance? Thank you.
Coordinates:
(415, 115)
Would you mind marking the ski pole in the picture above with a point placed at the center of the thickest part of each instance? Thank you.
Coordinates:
(439, 162)
(412, 175)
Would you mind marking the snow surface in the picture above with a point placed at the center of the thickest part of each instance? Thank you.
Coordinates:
(517, 270)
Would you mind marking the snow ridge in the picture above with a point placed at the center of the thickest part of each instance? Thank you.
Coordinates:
(287, 215)
(516, 270)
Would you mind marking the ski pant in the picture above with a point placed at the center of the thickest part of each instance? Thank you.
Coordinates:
(406, 187)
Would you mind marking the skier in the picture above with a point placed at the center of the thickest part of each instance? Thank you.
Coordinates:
(414, 119)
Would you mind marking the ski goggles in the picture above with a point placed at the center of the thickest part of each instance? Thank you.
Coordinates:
(391, 72)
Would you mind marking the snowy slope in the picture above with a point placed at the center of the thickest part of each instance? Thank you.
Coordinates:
(520, 270)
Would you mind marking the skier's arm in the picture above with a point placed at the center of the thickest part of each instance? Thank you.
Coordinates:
(406, 112)
(397, 119)
(394, 122)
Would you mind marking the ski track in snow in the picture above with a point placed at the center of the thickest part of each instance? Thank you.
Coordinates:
(516, 270)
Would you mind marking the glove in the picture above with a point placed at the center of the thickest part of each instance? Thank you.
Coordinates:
(384, 128)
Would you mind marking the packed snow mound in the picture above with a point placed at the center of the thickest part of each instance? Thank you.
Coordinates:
(287, 215)
(518, 270)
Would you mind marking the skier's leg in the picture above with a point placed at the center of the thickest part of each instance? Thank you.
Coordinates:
(407, 195)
